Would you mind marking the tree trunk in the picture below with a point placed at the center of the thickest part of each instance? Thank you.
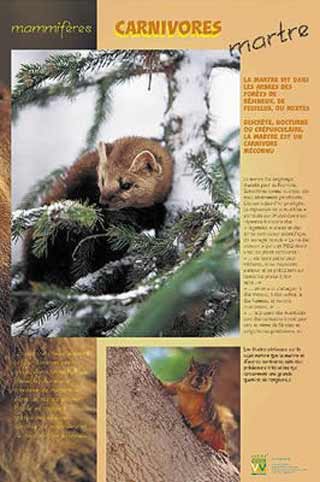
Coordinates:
(147, 439)
(5, 238)
(188, 120)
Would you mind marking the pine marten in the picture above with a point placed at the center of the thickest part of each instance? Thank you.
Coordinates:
(211, 423)
(133, 176)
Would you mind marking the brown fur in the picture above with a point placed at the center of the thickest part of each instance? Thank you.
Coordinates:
(132, 175)
(4, 201)
(5, 130)
(212, 423)
(139, 162)
(150, 186)
(40, 458)
(5, 366)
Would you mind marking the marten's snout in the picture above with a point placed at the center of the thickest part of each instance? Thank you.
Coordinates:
(106, 198)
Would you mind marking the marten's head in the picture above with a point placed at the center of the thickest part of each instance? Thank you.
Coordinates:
(133, 172)
(200, 375)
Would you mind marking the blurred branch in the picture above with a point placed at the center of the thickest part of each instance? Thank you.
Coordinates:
(229, 63)
(191, 283)
(41, 189)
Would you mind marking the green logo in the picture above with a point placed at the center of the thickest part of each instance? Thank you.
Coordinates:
(259, 465)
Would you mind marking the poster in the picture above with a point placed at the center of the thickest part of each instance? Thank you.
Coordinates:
(159, 241)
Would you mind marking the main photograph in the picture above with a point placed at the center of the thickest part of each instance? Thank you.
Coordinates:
(126, 192)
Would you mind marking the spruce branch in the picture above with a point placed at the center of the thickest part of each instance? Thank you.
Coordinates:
(102, 108)
(232, 63)
(70, 215)
(47, 220)
(145, 277)
(24, 219)
(42, 96)
(184, 234)
(192, 261)
(72, 68)
(214, 176)
(211, 177)
(186, 282)
(96, 283)
(231, 136)
(51, 301)
(146, 243)
(183, 237)
(231, 160)
(42, 306)
(201, 172)
(82, 256)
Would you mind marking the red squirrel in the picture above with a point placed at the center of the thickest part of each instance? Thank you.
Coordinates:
(211, 423)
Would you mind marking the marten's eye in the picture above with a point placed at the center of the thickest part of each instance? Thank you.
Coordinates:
(125, 186)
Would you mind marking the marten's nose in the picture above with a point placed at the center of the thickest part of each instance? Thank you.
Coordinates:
(105, 198)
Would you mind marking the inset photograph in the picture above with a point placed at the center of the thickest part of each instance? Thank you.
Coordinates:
(173, 414)
(125, 185)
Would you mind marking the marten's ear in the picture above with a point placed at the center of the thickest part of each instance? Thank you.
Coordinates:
(103, 150)
(146, 161)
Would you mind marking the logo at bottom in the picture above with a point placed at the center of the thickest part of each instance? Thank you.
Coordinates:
(259, 465)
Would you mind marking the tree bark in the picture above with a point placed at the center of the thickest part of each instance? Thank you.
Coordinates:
(5, 238)
(187, 122)
(147, 439)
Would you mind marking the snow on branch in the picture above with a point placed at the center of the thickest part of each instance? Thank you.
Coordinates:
(72, 69)
(187, 122)
(47, 220)
(193, 258)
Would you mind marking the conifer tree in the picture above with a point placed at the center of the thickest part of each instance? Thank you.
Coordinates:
(185, 280)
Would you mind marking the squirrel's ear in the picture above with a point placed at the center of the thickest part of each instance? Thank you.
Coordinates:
(146, 161)
(193, 364)
(214, 365)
